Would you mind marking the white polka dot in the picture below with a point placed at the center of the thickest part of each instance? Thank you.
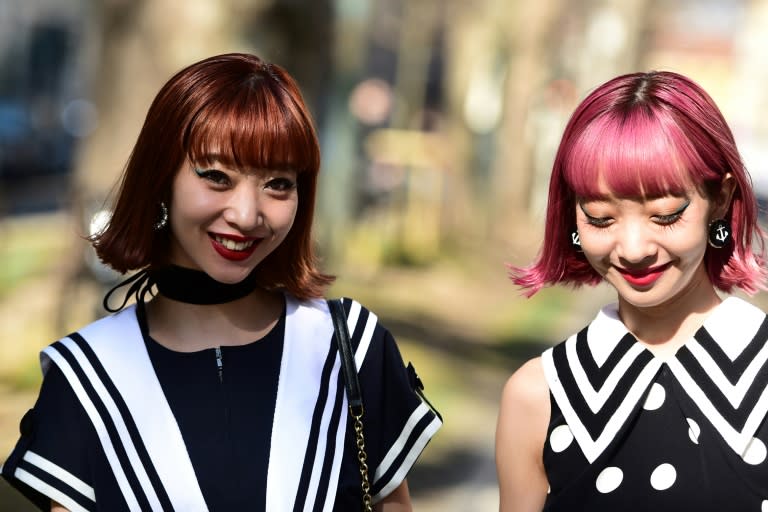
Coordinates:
(609, 479)
(764, 506)
(663, 477)
(561, 438)
(755, 452)
(693, 430)
(655, 397)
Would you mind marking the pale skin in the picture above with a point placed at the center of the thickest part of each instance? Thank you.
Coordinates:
(617, 234)
(225, 203)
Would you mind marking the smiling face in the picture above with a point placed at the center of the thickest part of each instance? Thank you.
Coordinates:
(651, 250)
(225, 221)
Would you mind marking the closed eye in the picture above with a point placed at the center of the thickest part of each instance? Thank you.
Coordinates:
(666, 220)
(600, 222)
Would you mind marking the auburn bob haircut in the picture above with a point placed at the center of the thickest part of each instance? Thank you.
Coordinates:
(646, 134)
(250, 115)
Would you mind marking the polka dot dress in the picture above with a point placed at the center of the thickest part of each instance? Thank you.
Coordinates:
(629, 431)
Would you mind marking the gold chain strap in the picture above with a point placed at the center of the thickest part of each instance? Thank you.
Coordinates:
(363, 458)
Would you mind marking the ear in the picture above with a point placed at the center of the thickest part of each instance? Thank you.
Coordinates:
(721, 202)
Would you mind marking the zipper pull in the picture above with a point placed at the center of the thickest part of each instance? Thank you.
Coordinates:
(220, 364)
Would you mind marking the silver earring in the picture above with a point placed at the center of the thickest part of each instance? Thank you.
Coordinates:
(576, 241)
(163, 221)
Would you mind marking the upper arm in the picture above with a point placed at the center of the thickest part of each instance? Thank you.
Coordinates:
(398, 500)
(51, 459)
(520, 435)
(55, 507)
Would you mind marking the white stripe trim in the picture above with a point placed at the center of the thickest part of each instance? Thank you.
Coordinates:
(409, 460)
(61, 474)
(322, 439)
(593, 448)
(48, 490)
(416, 416)
(365, 340)
(98, 423)
(354, 315)
(333, 480)
(596, 399)
(308, 334)
(119, 422)
(119, 346)
(738, 441)
(734, 393)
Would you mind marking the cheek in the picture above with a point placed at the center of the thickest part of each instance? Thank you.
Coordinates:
(594, 244)
(283, 215)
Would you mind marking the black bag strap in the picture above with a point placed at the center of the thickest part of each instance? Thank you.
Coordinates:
(354, 396)
(348, 367)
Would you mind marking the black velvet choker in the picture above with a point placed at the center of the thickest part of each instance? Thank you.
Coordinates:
(183, 285)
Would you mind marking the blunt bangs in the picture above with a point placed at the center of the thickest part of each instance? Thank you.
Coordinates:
(640, 153)
(256, 125)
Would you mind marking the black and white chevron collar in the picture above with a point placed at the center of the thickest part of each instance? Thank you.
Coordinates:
(599, 375)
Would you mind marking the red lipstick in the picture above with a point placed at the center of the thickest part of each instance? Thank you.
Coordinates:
(233, 254)
(643, 277)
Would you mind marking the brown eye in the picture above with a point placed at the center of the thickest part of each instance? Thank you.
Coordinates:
(281, 184)
(215, 176)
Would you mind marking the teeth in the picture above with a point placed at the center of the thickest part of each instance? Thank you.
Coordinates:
(234, 246)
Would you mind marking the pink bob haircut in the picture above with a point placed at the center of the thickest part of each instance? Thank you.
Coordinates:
(646, 135)
(244, 113)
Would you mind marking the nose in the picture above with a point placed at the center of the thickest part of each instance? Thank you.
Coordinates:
(636, 244)
(244, 208)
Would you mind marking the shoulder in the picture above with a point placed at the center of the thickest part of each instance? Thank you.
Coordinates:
(527, 389)
(108, 334)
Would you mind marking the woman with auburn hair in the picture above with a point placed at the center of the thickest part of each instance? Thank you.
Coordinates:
(660, 402)
(227, 385)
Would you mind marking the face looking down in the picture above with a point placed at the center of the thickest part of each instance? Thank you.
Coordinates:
(650, 249)
(225, 221)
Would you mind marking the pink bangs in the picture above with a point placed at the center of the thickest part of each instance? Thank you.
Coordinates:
(637, 154)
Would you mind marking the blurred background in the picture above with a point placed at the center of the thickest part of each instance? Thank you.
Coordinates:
(438, 121)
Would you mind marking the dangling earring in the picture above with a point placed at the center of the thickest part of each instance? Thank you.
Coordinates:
(163, 221)
(719, 233)
(576, 241)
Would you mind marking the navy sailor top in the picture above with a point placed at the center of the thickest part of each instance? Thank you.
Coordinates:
(223, 401)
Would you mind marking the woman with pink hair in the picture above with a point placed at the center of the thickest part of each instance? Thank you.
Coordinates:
(660, 402)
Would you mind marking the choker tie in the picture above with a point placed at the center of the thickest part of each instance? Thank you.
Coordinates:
(181, 284)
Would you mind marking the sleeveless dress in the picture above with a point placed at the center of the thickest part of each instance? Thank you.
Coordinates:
(632, 432)
(124, 424)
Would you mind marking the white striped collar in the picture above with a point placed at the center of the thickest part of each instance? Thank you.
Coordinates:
(727, 353)
(309, 405)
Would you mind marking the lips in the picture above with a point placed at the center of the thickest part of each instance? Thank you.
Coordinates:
(645, 276)
(234, 248)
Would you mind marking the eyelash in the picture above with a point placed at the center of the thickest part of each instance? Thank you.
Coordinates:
(662, 220)
(214, 176)
(220, 178)
(281, 184)
(668, 220)
(600, 222)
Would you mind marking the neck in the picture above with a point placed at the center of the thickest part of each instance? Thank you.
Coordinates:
(665, 328)
(185, 327)
(197, 287)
